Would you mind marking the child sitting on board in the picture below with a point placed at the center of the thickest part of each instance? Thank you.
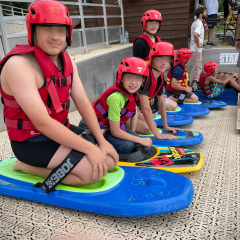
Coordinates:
(118, 105)
(213, 86)
(177, 79)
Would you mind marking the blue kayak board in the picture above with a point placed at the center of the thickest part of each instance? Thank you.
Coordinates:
(207, 104)
(189, 111)
(185, 138)
(174, 120)
(131, 192)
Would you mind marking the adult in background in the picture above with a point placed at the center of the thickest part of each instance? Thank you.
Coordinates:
(196, 44)
(212, 10)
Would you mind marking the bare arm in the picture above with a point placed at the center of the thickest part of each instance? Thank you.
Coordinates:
(84, 106)
(175, 85)
(133, 121)
(215, 80)
(147, 113)
(196, 39)
(162, 110)
(117, 132)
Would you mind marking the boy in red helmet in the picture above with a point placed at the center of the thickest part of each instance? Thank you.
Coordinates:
(151, 23)
(36, 83)
(118, 105)
(177, 79)
(161, 54)
(212, 86)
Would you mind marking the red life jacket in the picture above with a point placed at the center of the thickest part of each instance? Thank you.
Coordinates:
(153, 88)
(101, 108)
(149, 43)
(183, 81)
(54, 94)
(207, 89)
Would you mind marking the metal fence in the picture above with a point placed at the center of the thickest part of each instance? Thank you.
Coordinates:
(83, 38)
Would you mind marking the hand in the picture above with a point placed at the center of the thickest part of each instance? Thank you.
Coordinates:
(233, 75)
(108, 149)
(200, 45)
(99, 162)
(171, 129)
(237, 45)
(147, 142)
(188, 90)
(166, 136)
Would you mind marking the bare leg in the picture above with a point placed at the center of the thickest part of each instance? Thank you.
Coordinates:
(142, 127)
(210, 34)
(172, 105)
(231, 82)
(235, 85)
(80, 175)
(193, 99)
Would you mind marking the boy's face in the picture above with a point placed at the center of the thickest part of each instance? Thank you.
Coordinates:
(132, 82)
(152, 27)
(161, 63)
(51, 39)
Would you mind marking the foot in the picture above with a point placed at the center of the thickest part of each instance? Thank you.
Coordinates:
(211, 44)
(20, 166)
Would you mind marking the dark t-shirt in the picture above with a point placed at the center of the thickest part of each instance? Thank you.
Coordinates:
(140, 48)
(146, 90)
(239, 10)
(177, 72)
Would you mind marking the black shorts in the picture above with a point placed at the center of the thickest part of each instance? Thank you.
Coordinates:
(177, 94)
(39, 153)
(212, 24)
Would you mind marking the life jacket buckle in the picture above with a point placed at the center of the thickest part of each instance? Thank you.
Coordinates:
(66, 105)
(65, 122)
(62, 82)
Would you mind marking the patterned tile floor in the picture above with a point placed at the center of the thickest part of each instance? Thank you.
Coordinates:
(213, 214)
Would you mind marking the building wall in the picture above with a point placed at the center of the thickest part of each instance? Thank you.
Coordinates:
(175, 14)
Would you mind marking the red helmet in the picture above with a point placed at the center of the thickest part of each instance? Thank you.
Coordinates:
(48, 12)
(184, 53)
(151, 15)
(162, 49)
(210, 67)
(132, 65)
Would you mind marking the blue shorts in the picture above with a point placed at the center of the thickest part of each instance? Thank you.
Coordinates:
(218, 89)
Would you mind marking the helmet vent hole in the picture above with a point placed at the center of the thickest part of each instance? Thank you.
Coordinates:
(67, 14)
(33, 12)
(126, 64)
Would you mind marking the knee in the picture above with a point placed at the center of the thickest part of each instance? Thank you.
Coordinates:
(127, 147)
(111, 163)
(195, 98)
(146, 130)
(172, 106)
(221, 74)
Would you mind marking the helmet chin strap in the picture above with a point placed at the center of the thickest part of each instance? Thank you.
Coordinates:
(150, 33)
(65, 48)
(155, 69)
